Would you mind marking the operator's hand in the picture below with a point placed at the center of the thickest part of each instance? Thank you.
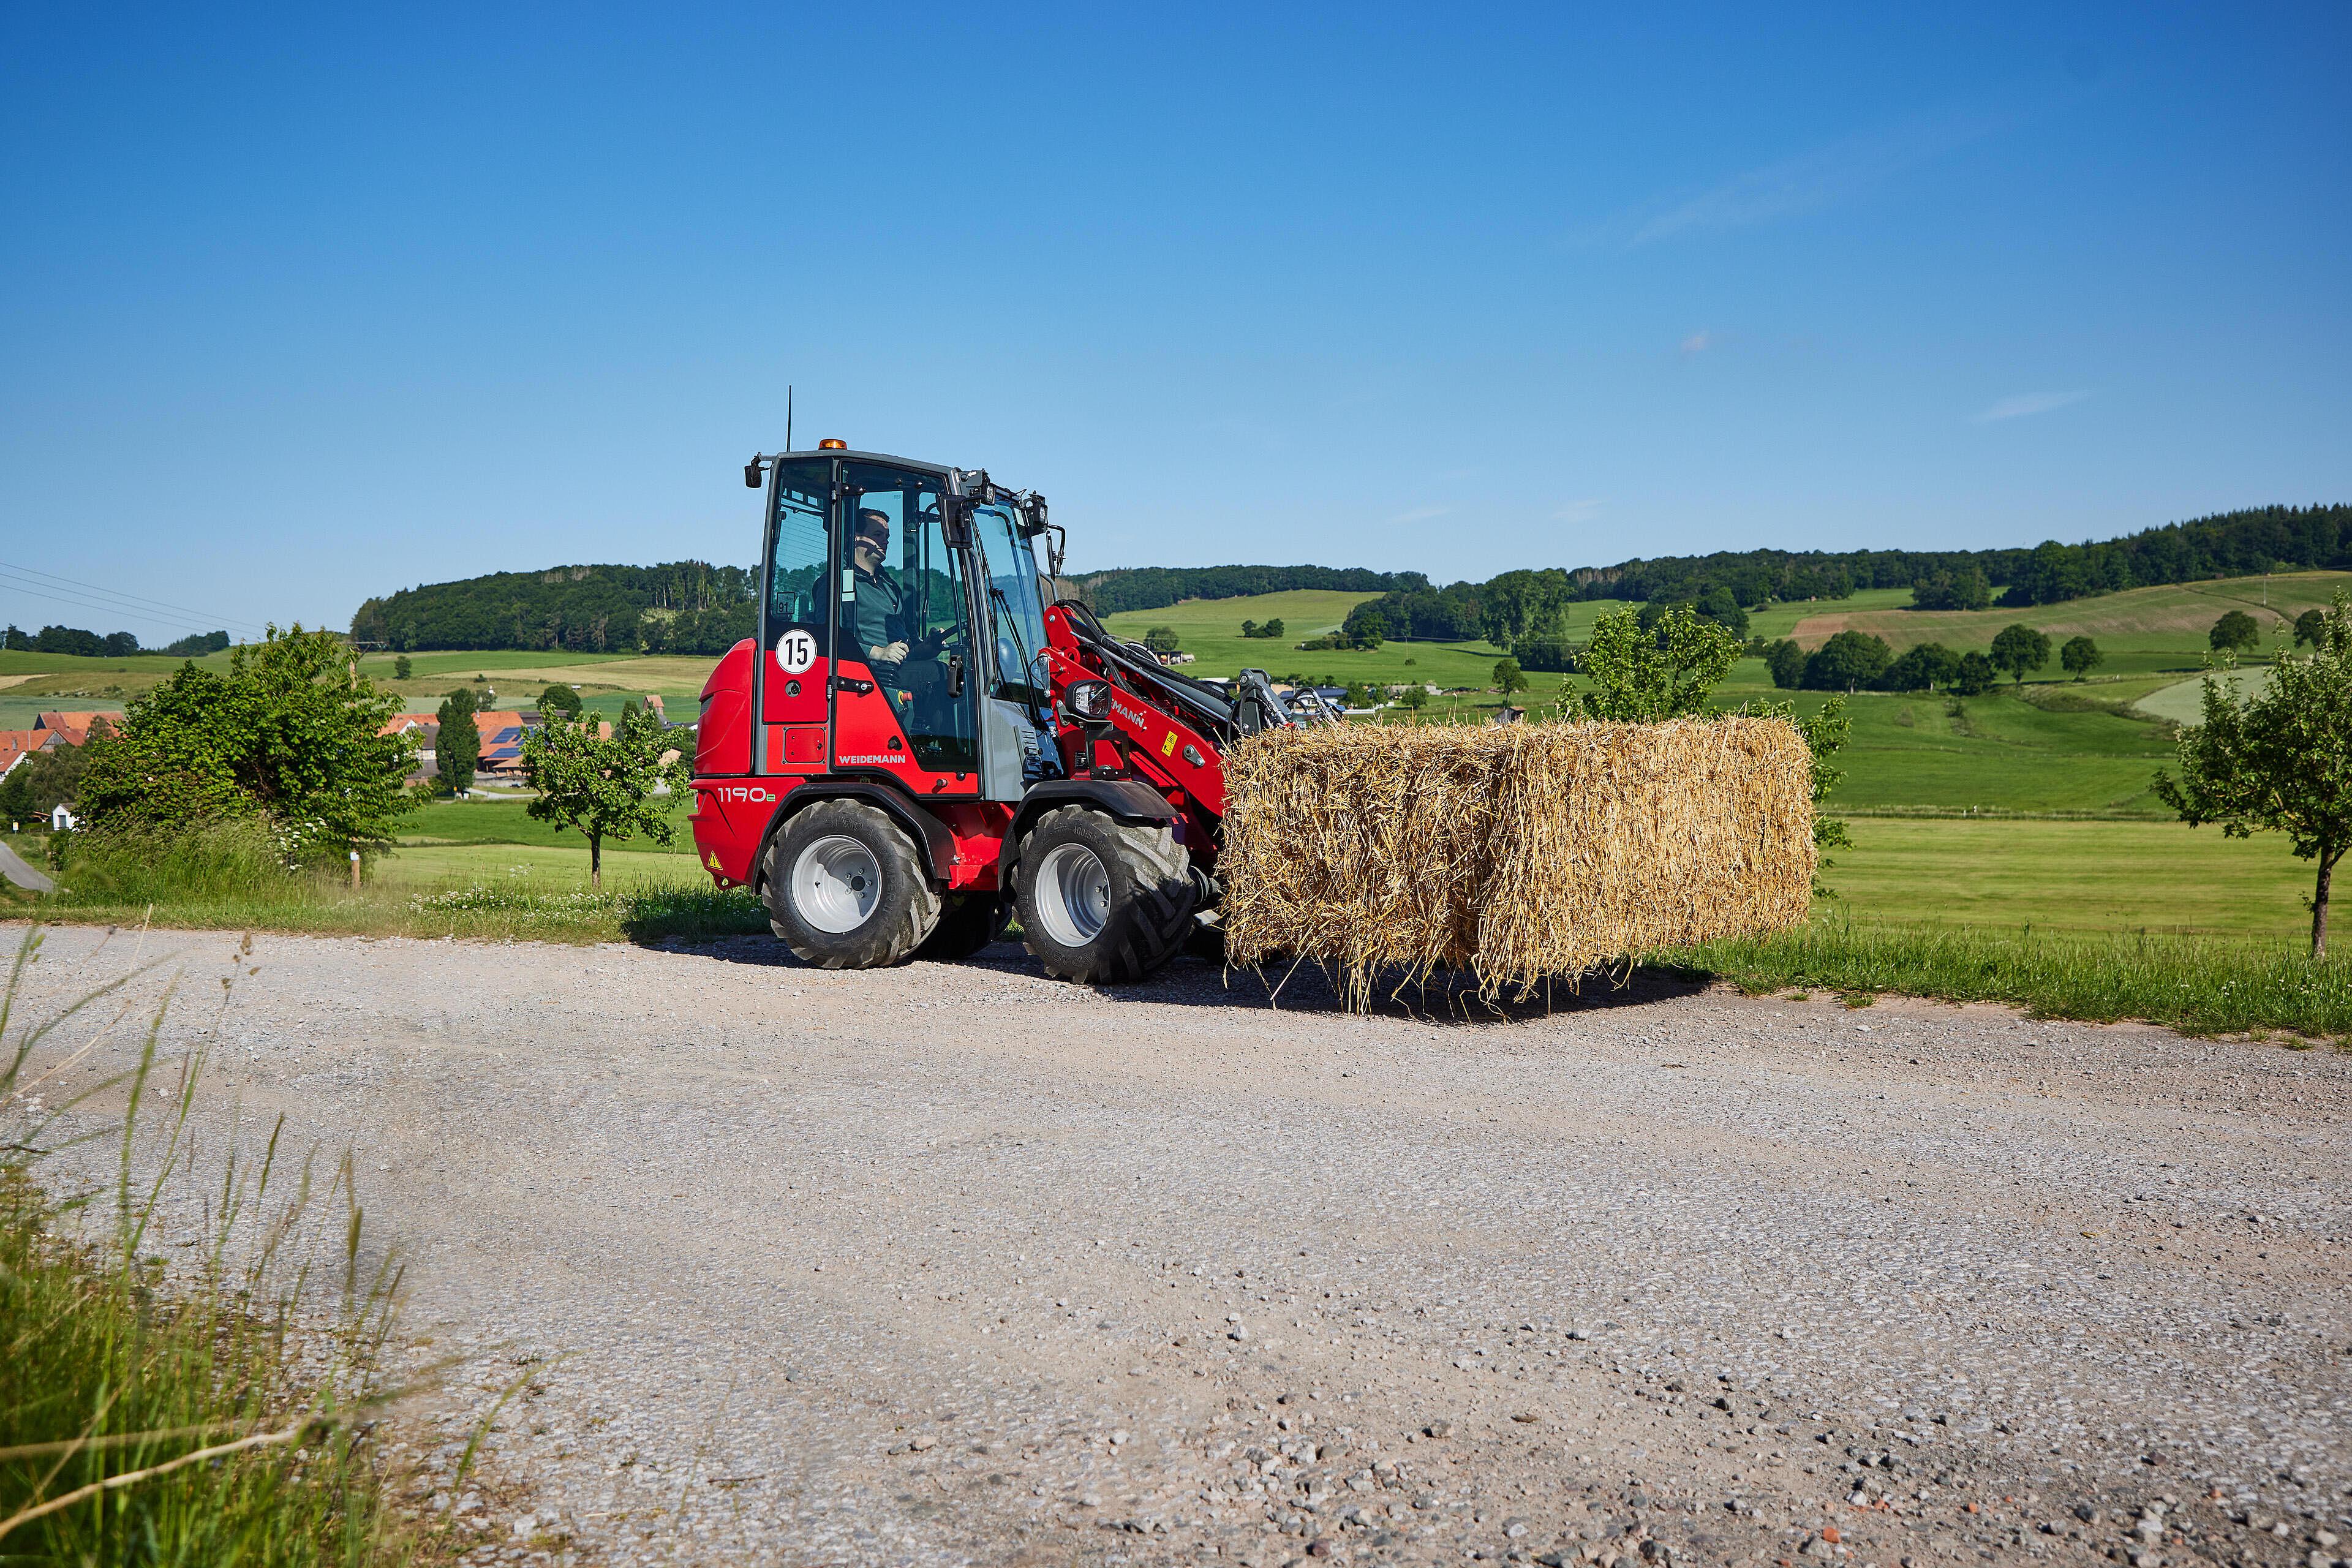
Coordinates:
(894, 654)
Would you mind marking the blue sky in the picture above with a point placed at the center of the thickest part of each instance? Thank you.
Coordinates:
(301, 306)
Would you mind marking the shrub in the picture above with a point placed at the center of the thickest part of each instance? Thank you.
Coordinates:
(292, 732)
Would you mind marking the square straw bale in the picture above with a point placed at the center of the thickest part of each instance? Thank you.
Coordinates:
(1520, 853)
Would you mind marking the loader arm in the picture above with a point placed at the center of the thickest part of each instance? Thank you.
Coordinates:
(1163, 729)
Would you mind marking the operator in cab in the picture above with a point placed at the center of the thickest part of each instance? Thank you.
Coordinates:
(881, 611)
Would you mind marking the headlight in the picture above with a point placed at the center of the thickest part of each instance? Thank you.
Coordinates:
(1089, 700)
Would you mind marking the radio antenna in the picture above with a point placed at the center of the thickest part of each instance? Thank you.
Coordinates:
(788, 417)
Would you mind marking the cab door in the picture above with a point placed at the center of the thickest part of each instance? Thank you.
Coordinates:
(905, 699)
(796, 626)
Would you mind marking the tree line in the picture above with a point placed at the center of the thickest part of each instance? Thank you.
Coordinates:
(681, 606)
(1524, 611)
(1157, 588)
(81, 643)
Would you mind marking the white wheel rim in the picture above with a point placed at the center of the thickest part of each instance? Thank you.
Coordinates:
(1073, 894)
(836, 884)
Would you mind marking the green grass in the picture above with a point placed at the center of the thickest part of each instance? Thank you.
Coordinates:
(2204, 985)
(487, 889)
(2070, 877)
(127, 1352)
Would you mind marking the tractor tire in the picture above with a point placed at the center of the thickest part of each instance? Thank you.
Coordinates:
(845, 889)
(965, 927)
(1103, 902)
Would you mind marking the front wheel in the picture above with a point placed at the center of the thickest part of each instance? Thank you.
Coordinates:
(1102, 902)
(844, 889)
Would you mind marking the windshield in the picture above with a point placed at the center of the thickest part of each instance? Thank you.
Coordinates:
(1016, 610)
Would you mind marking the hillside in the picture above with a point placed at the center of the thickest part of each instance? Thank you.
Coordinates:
(682, 607)
(2140, 628)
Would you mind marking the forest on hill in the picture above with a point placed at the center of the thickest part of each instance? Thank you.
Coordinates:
(681, 606)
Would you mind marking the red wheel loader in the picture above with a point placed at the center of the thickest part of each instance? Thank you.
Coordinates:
(922, 743)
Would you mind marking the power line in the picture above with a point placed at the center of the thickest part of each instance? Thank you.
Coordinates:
(115, 612)
(117, 599)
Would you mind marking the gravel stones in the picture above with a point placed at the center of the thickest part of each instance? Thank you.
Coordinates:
(639, 1174)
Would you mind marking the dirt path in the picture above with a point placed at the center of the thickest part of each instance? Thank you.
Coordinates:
(956, 1263)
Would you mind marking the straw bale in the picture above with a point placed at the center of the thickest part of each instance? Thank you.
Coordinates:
(1519, 854)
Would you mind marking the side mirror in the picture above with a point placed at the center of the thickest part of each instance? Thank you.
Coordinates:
(752, 475)
(955, 519)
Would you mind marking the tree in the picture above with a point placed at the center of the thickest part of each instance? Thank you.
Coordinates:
(2280, 761)
(1922, 667)
(1371, 630)
(120, 644)
(70, 640)
(2019, 649)
(1518, 603)
(1666, 672)
(1273, 627)
(559, 699)
(2309, 627)
(1509, 677)
(1415, 696)
(402, 667)
(1249, 628)
(1161, 640)
(1786, 660)
(2234, 633)
(1848, 662)
(1976, 675)
(1718, 604)
(42, 781)
(604, 786)
(458, 750)
(15, 640)
(2080, 656)
(292, 733)
(1359, 695)
(1963, 590)
(195, 645)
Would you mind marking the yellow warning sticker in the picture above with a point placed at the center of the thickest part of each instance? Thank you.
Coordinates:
(1168, 746)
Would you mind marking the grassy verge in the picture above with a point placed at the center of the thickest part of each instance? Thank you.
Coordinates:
(212, 1409)
(2200, 985)
(229, 878)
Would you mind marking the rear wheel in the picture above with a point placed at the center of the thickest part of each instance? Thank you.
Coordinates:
(844, 889)
(965, 927)
(1103, 901)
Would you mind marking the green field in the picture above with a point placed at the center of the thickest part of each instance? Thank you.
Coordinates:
(2156, 876)
(32, 682)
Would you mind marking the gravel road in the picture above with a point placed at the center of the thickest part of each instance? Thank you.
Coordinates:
(954, 1263)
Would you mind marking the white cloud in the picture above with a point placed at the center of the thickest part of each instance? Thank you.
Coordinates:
(1802, 185)
(2027, 403)
(1698, 342)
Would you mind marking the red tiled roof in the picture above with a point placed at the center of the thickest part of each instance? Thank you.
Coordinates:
(16, 744)
(74, 727)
